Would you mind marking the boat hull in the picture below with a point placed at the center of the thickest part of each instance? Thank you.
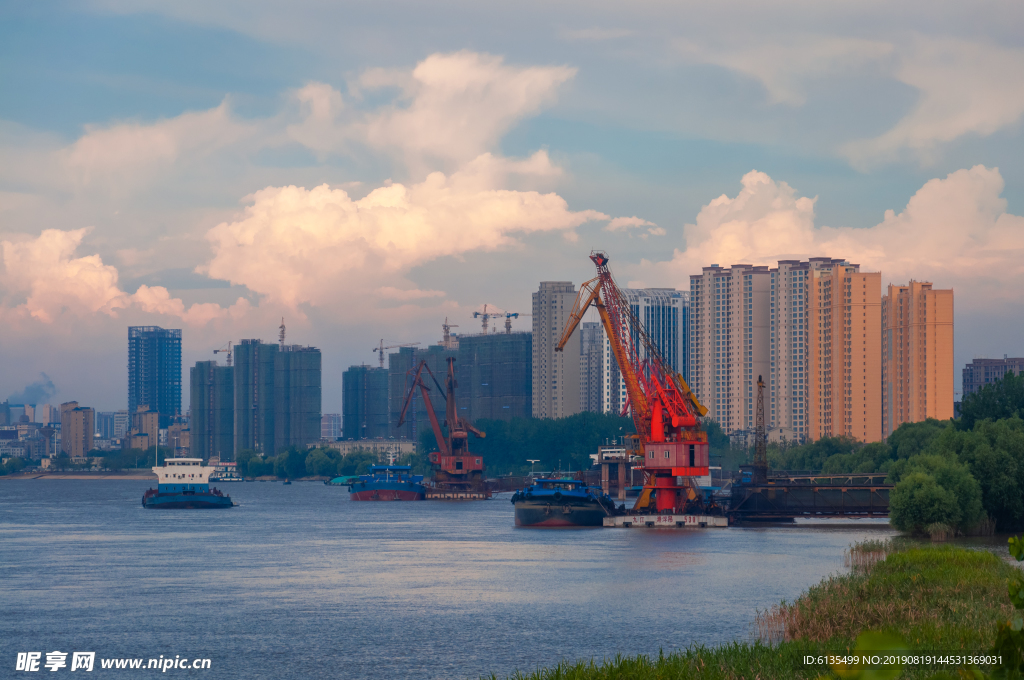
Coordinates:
(181, 501)
(550, 513)
(387, 491)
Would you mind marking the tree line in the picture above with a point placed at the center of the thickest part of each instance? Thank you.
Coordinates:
(962, 474)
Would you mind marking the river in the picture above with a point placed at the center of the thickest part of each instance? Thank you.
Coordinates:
(299, 582)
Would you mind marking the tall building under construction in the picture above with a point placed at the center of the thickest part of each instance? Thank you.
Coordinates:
(495, 376)
(917, 354)
(212, 425)
(271, 396)
(364, 403)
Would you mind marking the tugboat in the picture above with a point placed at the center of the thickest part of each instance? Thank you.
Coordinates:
(561, 503)
(184, 483)
(388, 483)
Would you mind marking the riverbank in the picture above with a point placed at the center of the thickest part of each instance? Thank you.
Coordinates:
(78, 475)
(921, 598)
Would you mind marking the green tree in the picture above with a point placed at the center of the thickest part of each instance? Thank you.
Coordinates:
(242, 460)
(950, 475)
(290, 463)
(320, 464)
(357, 463)
(918, 501)
(1002, 399)
(994, 453)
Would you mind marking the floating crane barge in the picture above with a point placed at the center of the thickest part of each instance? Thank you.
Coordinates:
(670, 443)
(458, 474)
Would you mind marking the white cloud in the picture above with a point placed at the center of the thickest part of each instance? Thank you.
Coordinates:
(954, 231)
(623, 223)
(965, 88)
(787, 65)
(126, 154)
(318, 246)
(449, 108)
(43, 280)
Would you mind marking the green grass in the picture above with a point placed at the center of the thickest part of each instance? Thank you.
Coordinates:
(935, 598)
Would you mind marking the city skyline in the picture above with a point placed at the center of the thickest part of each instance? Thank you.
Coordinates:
(368, 191)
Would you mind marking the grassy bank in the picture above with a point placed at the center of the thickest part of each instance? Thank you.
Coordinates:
(934, 598)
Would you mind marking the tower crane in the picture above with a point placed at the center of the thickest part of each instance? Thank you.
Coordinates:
(225, 348)
(666, 413)
(487, 314)
(380, 350)
(508, 320)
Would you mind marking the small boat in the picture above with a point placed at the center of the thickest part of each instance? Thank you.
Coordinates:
(561, 503)
(287, 482)
(388, 483)
(184, 483)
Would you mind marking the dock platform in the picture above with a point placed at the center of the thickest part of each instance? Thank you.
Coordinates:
(673, 521)
(438, 495)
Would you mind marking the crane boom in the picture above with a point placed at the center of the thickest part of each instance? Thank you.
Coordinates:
(664, 409)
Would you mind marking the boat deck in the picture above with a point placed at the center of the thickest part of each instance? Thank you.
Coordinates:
(672, 521)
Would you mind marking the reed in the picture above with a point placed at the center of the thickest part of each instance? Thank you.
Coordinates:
(934, 597)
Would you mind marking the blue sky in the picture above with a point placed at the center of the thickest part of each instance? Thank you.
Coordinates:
(470, 151)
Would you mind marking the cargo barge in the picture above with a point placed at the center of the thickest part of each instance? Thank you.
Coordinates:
(561, 503)
(388, 483)
(184, 483)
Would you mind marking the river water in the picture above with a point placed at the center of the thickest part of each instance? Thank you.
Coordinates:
(299, 582)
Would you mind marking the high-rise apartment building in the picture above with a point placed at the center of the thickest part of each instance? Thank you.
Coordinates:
(729, 311)
(810, 330)
(664, 313)
(104, 424)
(556, 375)
(842, 365)
(212, 391)
(364, 403)
(592, 360)
(154, 370)
(122, 423)
(330, 426)
(77, 427)
(917, 354)
(982, 372)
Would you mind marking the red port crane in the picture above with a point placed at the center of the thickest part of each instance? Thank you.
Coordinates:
(666, 413)
(458, 474)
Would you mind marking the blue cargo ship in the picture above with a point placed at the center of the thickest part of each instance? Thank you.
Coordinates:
(184, 483)
(389, 483)
(561, 503)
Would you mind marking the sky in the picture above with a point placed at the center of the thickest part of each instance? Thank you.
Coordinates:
(365, 170)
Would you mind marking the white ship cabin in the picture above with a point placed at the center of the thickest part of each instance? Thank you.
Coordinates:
(183, 471)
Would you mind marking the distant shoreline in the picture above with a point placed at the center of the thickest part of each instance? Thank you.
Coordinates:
(105, 476)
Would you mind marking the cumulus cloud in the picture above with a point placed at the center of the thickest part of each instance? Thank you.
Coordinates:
(320, 246)
(448, 108)
(43, 280)
(37, 392)
(125, 153)
(953, 231)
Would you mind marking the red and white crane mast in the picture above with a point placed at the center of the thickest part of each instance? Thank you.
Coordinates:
(664, 410)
